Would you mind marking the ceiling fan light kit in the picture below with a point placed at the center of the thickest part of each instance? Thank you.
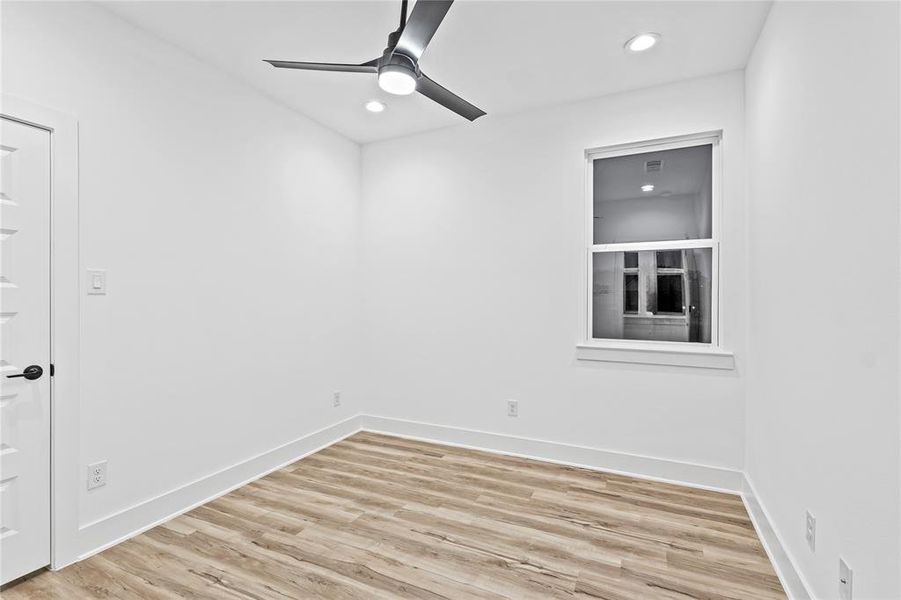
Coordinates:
(398, 66)
(397, 79)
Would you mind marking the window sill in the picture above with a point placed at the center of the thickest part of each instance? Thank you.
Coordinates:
(670, 354)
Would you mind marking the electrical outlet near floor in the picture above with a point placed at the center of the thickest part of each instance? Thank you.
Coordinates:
(336, 399)
(844, 579)
(810, 532)
(97, 475)
(512, 408)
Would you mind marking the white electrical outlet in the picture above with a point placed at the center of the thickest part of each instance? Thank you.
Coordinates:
(336, 399)
(845, 575)
(512, 408)
(97, 475)
(810, 532)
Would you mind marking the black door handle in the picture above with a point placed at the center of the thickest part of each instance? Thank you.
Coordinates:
(30, 373)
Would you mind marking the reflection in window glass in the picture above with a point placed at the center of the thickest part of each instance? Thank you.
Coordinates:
(650, 301)
(676, 206)
(669, 259)
(669, 295)
(630, 293)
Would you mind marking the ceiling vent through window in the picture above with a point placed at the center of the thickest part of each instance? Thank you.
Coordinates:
(653, 166)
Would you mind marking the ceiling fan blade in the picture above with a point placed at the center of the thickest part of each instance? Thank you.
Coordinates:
(368, 67)
(421, 26)
(447, 99)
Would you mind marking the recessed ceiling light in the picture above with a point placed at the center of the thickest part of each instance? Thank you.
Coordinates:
(375, 106)
(642, 42)
(648, 187)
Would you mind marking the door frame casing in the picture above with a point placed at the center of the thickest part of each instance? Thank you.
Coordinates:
(65, 321)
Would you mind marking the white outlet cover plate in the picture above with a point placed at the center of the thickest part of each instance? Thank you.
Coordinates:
(96, 473)
(810, 533)
(96, 282)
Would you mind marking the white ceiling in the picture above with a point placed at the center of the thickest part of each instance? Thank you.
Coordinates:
(502, 56)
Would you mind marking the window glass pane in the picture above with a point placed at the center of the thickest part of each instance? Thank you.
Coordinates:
(669, 259)
(630, 260)
(653, 196)
(630, 293)
(652, 302)
(669, 295)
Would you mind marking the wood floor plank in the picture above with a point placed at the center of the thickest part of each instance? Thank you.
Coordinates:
(377, 516)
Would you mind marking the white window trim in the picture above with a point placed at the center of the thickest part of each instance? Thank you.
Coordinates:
(684, 354)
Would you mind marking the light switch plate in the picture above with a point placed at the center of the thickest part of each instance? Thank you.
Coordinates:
(96, 282)
(845, 575)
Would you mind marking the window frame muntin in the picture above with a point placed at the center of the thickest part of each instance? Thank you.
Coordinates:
(712, 138)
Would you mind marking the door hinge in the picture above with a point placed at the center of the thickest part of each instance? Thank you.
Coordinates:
(52, 370)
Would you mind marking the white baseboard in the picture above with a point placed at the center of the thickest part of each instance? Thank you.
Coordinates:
(646, 467)
(106, 532)
(792, 581)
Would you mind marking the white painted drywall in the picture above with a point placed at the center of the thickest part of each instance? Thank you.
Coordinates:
(228, 226)
(474, 244)
(822, 402)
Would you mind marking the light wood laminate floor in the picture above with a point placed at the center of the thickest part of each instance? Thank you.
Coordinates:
(376, 516)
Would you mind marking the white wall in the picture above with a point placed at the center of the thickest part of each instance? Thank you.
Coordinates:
(822, 404)
(228, 226)
(472, 269)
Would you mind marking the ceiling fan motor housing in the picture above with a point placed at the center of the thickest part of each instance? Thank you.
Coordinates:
(396, 61)
(404, 66)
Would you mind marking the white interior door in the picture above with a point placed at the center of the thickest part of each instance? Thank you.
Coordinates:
(24, 349)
